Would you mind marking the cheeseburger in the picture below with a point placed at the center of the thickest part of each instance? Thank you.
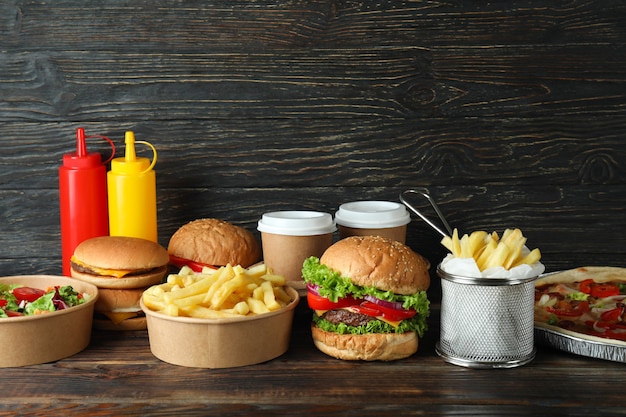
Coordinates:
(122, 268)
(369, 299)
(212, 243)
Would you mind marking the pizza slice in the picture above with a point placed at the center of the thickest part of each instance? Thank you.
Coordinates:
(587, 302)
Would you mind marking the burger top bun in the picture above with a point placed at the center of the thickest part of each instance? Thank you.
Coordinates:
(215, 242)
(379, 262)
(98, 259)
(121, 252)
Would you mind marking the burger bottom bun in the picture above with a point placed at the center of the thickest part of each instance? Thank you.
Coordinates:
(132, 281)
(110, 300)
(367, 347)
(137, 323)
(119, 301)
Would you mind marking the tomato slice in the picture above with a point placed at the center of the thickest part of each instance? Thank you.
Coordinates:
(392, 314)
(566, 308)
(11, 313)
(375, 310)
(195, 266)
(3, 302)
(317, 302)
(612, 315)
(367, 308)
(27, 293)
(604, 290)
(616, 335)
(585, 286)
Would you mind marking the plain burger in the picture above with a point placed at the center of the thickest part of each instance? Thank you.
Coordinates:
(369, 299)
(213, 243)
(122, 268)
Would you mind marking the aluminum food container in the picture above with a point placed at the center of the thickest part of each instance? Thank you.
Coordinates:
(486, 322)
(31, 340)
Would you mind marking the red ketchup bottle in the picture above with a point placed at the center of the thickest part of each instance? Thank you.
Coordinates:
(83, 196)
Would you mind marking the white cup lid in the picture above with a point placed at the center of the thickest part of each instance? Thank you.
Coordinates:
(372, 214)
(297, 223)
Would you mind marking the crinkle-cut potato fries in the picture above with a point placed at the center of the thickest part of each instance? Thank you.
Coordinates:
(491, 250)
(230, 291)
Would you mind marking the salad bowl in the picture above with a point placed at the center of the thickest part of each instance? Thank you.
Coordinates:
(54, 335)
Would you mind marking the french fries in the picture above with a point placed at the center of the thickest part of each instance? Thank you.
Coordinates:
(491, 250)
(230, 291)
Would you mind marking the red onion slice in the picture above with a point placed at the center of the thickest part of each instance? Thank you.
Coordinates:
(313, 289)
(396, 305)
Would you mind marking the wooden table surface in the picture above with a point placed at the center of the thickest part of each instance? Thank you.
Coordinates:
(118, 375)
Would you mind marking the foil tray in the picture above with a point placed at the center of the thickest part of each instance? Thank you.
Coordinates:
(580, 344)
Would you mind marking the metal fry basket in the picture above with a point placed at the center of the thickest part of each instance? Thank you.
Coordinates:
(486, 322)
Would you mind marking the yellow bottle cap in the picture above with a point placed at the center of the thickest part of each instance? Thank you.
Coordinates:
(130, 163)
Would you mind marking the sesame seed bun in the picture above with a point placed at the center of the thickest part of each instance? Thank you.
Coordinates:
(379, 262)
(215, 242)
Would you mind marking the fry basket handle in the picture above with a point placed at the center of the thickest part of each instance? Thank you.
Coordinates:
(424, 193)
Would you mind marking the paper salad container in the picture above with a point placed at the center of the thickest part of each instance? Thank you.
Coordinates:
(31, 340)
(221, 343)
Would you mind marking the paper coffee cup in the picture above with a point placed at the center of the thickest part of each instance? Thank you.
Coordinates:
(373, 218)
(290, 237)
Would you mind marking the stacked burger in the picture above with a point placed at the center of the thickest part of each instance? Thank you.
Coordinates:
(122, 268)
(369, 299)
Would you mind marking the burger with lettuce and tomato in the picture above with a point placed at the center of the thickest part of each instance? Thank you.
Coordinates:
(369, 299)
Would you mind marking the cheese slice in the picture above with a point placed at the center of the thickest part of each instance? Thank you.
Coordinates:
(390, 322)
(117, 318)
(117, 273)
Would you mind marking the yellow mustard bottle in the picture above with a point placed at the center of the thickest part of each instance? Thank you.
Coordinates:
(131, 186)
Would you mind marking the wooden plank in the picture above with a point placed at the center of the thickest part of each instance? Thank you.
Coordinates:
(386, 83)
(325, 153)
(117, 374)
(197, 25)
(573, 227)
(293, 60)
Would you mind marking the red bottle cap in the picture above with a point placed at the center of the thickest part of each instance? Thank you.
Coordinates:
(82, 158)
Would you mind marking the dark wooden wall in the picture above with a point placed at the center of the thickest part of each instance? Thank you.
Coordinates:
(511, 113)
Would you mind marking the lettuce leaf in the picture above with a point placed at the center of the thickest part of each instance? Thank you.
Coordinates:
(334, 286)
(416, 324)
(71, 296)
(43, 303)
(5, 294)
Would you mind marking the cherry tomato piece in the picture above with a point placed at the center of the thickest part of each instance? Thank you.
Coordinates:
(3, 302)
(27, 293)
